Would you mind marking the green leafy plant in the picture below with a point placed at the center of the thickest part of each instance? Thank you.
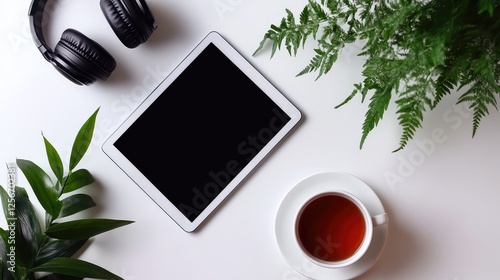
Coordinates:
(417, 52)
(31, 250)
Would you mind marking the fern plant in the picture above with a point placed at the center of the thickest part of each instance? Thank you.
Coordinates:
(28, 247)
(416, 51)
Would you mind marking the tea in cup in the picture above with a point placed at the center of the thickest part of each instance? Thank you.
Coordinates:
(335, 229)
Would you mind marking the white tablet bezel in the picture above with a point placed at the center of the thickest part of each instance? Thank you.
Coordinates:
(116, 156)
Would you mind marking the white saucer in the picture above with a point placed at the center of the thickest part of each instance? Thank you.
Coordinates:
(303, 191)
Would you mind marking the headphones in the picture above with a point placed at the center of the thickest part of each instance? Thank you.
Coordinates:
(81, 59)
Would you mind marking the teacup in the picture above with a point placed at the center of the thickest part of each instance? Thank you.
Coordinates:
(335, 229)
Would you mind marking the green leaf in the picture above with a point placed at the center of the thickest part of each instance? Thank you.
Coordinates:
(75, 268)
(54, 248)
(82, 141)
(82, 229)
(7, 203)
(55, 161)
(76, 203)
(27, 228)
(487, 6)
(78, 179)
(42, 186)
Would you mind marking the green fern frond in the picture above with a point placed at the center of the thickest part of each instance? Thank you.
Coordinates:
(304, 16)
(315, 62)
(356, 91)
(379, 103)
(417, 51)
(327, 64)
(412, 106)
(291, 34)
(480, 96)
(447, 81)
(443, 86)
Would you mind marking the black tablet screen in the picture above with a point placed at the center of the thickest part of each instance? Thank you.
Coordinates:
(201, 131)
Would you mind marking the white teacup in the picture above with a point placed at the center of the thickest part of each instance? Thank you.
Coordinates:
(335, 229)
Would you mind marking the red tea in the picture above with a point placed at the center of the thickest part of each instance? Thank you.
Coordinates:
(331, 228)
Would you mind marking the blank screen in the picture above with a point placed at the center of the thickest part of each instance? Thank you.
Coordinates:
(198, 135)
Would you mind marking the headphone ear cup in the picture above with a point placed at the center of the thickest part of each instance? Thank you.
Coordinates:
(132, 23)
(81, 59)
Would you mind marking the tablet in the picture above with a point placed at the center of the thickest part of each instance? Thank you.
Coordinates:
(201, 131)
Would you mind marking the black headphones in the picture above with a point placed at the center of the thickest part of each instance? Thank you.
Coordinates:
(81, 59)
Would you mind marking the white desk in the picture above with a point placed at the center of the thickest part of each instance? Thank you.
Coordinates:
(443, 205)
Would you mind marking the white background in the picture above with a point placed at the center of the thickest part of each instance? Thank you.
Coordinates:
(441, 192)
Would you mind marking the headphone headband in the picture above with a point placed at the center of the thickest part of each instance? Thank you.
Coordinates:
(35, 14)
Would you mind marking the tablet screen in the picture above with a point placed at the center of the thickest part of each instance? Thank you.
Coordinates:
(203, 130)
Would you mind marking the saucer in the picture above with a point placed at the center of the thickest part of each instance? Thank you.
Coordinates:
(308, 188)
